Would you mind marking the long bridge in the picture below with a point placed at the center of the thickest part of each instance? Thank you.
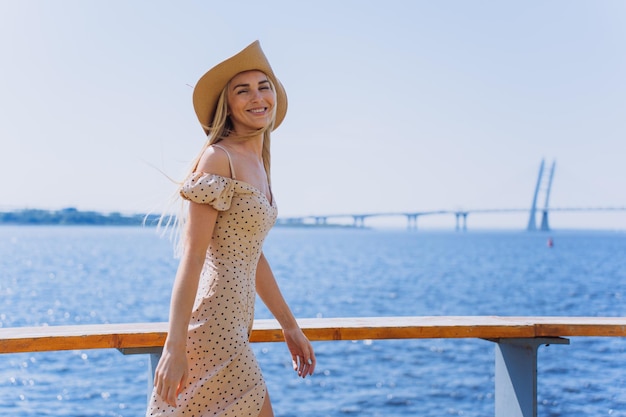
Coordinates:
(543, 185)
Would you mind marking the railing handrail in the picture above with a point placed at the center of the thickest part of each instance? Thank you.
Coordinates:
(152, 335)
(516, 340)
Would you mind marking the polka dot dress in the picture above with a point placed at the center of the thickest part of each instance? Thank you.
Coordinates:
(224, 377)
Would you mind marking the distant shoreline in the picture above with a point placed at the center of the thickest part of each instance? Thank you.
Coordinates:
(73, 217)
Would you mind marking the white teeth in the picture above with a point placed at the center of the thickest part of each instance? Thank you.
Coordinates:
(257, 110)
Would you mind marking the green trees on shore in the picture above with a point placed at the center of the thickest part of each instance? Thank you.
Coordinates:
(70, 216)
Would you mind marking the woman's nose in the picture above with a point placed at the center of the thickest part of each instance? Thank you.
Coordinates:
(256, 95)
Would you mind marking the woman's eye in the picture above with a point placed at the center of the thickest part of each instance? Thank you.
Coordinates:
(242, 91)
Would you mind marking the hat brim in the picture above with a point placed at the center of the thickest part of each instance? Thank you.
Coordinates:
(208, 88)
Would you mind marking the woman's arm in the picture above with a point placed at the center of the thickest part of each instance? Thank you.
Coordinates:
(301, 349)
(172, 371)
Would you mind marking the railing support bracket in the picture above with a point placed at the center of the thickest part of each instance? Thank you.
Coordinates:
(516, 375)
(154, 355)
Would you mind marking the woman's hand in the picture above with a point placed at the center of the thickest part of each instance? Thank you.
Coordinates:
(171, 374)
(302, 355)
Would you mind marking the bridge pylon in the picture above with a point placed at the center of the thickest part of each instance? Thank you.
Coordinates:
(544, 183)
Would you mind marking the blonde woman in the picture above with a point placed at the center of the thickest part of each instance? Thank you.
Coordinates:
(207, 367)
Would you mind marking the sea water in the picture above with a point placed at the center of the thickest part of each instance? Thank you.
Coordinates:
(87, 275)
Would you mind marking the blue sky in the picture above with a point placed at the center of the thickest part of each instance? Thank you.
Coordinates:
(393, 106)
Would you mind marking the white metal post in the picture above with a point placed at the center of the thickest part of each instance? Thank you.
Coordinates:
(516, 375)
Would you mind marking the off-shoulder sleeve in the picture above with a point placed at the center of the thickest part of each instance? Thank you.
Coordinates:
(209, 189)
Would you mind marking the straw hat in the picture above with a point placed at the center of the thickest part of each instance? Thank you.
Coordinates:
(210, 85)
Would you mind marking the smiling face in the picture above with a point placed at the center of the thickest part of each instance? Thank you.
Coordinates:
(251, 101)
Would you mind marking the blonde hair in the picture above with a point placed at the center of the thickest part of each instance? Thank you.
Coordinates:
(220, 128)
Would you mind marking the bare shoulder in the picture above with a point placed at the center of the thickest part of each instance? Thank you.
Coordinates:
(214, 160)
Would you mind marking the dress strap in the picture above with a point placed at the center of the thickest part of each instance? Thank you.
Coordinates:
(230, 161)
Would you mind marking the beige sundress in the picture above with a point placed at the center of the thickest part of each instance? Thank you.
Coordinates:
(224, 377)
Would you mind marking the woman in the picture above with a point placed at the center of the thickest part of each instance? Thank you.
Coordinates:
(207, 367)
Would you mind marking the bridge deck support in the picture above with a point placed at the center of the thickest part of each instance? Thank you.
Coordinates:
(545, 227)
(359, 221)
(411, 221)
(464, 217)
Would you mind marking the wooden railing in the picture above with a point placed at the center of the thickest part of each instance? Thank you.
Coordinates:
(516, 340)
